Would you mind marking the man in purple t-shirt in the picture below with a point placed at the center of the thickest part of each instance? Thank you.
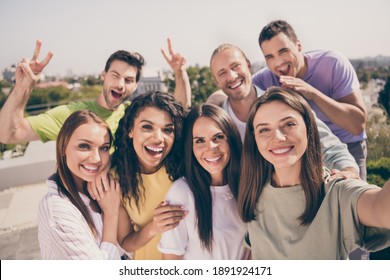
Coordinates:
(325, 78)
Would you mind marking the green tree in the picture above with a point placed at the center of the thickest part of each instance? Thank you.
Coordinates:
(201, 81)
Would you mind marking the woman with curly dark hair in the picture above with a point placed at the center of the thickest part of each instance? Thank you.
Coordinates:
(147, 160)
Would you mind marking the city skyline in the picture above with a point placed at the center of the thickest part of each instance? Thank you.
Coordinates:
(82, 34)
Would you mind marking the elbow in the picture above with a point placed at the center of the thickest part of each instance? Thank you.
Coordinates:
(359, 126)
(6, 138)
(358, 129)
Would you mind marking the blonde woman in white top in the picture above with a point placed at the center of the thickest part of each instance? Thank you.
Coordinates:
(70, 224)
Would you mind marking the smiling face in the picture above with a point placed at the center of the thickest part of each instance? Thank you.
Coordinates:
(232, 73)
(87, 152)
(119, 82)
(211, 148)
(283, 56)
(280, 135)
(153, 137)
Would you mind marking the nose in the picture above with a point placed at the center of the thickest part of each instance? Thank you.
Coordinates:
(232, 75)
(159, 135)
(95, 156)
(279, 135)
(278, 60)
(212, 145)
(121, 83)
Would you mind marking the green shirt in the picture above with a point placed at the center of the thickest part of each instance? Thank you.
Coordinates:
(335, 231)
(47, 125)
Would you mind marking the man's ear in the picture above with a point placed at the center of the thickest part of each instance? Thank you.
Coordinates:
(103, 75)
(299, 45)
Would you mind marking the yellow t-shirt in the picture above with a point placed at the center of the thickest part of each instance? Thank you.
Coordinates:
(156, 186)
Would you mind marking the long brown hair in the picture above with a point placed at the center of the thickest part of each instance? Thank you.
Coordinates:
(63, 176)
(198, 179)
(256, 171)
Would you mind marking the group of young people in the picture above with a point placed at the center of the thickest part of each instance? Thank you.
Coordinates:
(256, 175)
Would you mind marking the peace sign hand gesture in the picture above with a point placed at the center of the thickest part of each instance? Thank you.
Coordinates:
(175, 60)
(28, 71)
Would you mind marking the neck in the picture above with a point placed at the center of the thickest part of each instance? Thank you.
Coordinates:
(101, 101)
(283, 178)
(303, 68)
(241, 107)
(217, 179)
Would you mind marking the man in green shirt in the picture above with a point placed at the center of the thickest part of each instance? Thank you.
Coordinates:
(120, 79)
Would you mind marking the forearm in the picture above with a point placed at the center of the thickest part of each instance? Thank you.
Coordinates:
(383, 206)
(110, 226)
(138, 239)
(182, 91)
(12, 120)
(335, 153)
(347, 116)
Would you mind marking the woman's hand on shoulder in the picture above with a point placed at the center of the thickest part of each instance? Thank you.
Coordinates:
(167, 217)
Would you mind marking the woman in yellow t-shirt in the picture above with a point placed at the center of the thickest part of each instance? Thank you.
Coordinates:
(147, 159)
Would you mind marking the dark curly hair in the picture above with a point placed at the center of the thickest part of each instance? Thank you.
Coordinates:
(125, 159)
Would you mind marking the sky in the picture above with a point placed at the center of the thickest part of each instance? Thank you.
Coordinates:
(83, 33)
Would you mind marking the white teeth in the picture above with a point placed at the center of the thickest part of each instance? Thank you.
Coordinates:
(281, 151)
(155, 149)
(236, 85)
(283, 70)
(213, 159)
(91, 168)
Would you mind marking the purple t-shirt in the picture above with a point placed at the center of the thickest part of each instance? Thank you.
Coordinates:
(332, 74)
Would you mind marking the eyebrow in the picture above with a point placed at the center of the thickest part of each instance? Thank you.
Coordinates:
(150, 122)
(216, 134)
(126, 77)
(281, 120)
(90, 142)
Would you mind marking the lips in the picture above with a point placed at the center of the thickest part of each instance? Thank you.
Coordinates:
(154, 150)
(284, 70)
(213, 160)
(90, 168)
(116, 95)
(237, 84)
(281, 150)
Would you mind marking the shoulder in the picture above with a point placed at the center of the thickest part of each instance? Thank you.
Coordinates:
(331, 56)
(348, 186)
(179, 191)
(54, 206)
(180, 186)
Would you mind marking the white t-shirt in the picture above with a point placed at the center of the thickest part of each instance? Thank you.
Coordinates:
(228, 229)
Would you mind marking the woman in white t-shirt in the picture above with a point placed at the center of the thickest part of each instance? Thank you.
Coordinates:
(212, 228)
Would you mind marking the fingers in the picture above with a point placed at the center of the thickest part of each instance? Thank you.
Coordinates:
(167, 216)
(47, 59)
(44, 62)
(170, 46)
(165, 55)
(25, 67)
(37, 49)
(95, 190)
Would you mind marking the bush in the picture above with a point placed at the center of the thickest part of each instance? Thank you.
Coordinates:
(378, 171)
